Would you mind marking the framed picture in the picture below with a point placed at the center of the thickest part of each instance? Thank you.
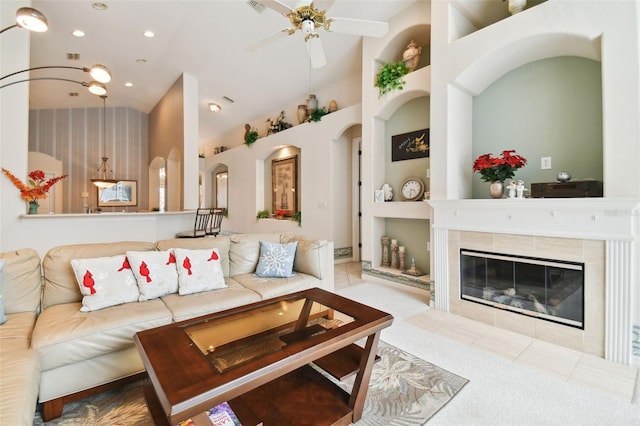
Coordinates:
(408, 146)
(284, 181)
(122, 194)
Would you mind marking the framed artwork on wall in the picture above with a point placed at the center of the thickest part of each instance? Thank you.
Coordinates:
(407, 146)
(284, 182)
(122, 194)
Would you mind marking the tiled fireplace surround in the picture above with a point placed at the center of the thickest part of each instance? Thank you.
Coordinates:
(598, 232)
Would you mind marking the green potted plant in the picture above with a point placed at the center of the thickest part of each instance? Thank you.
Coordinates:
(297, 216)
(390, 77)
(250, 137)
(263, 214)
(317, 114)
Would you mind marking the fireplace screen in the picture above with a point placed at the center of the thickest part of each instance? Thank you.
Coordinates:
(549, 289)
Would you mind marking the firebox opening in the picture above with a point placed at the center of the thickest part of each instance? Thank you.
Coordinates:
(548, 289)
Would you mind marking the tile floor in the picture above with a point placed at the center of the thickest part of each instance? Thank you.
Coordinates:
(616, 380)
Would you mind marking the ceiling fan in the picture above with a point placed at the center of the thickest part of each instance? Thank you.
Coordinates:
(306, 18)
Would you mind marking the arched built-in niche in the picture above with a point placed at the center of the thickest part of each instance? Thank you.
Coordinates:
(273, 190)
(174, 181)
(420, 34)
(475, 78)
(220, 186)
(547, 108)
(157, 184)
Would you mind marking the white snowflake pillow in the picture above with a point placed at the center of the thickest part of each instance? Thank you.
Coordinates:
(104, 282)
(276, 260)
(198, 270)
(155, 272)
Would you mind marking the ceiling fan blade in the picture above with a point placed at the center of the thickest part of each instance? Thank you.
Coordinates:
(283, 9)
(323, 4)
(265, 41)
(359, 27)
(316, 52)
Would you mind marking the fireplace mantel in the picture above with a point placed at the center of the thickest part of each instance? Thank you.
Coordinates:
(614, 221)
(585, 218)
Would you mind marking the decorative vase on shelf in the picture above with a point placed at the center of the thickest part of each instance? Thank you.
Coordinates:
(385, 251)
(33, 207)
(411, 56)
(516, 6)
(496, 189)
(302, 114)
(312, 104)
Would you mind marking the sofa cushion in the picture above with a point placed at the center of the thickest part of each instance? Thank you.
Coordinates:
(244, 251)
(198, 270)
(311, 256)
(273, 287)
(64, 335)
(16, 332)
(105, 281)
(59, 280)
(155, 272)
(19, 379)
(221, 242)
(194, 305)
(276, 259)
(21, 281)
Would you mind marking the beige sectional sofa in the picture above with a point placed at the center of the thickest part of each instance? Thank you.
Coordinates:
(19, 365)
(80, 353)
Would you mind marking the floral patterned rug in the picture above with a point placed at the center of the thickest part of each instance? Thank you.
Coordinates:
(404, 390)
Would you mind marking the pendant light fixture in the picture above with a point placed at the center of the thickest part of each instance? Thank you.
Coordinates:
(104, 176)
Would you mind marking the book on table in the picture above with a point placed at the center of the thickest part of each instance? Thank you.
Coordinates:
(220, 415)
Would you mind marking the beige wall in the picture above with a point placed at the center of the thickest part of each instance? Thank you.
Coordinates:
(166, 136)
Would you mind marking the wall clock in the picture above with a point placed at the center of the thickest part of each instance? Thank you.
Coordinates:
(412, 189)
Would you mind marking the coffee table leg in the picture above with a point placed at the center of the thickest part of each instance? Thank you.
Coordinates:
(361, 384)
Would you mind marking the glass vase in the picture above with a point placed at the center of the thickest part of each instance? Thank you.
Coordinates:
(496, 189)
(33, 207)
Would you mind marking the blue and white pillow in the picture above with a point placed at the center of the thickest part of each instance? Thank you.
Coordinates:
(276, 260)
(3, 317)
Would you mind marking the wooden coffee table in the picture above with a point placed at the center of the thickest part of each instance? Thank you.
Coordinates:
(258, 358)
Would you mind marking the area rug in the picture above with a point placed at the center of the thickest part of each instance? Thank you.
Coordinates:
(404, 390)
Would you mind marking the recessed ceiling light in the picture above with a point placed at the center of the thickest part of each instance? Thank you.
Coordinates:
(128, 84)
(149, 34)
(141, 61)
(214, 107)
(78, 33)
(99, 6)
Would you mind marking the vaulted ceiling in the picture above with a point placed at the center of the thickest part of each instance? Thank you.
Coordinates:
(206, 39)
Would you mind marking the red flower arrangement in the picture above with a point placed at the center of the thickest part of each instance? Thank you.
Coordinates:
(281, 213)
(498, 169)
(38, 186)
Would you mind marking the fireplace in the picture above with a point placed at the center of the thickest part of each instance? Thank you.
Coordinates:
(547, 289)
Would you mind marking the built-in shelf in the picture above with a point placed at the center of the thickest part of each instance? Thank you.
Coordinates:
(395, 275)
(467, 17)
(402, 209)
(417, 84)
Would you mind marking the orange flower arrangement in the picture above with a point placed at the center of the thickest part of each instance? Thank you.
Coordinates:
(38, 186)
